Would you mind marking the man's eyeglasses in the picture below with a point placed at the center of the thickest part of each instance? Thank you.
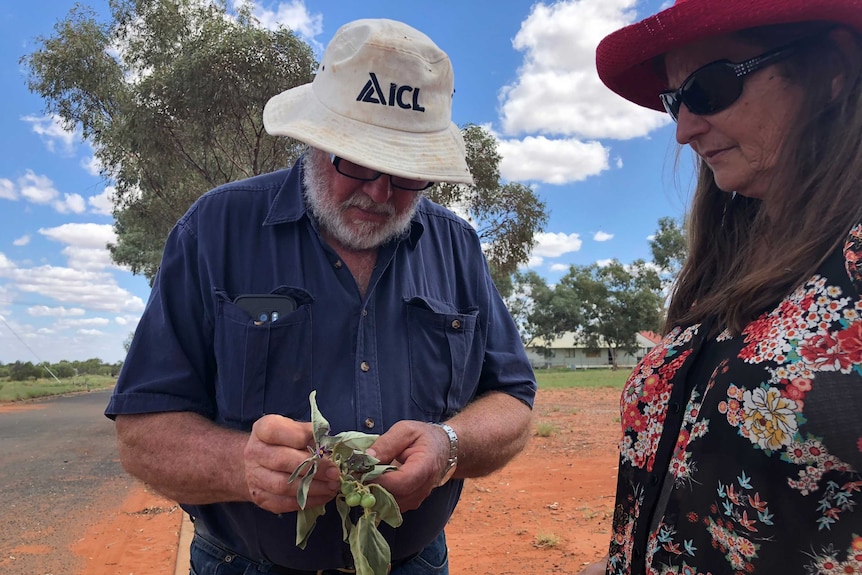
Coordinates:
(717, 85)
(357, 172)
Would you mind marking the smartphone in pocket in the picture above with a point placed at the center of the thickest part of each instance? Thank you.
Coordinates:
(265, 308)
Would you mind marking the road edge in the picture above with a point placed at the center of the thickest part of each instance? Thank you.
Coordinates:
(187, 531)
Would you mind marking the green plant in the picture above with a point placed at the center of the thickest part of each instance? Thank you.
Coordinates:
(582, 378)
(371, 554)
(545, 429)
(547, 540)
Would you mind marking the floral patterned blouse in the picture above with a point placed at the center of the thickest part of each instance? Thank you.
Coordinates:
(742, 454)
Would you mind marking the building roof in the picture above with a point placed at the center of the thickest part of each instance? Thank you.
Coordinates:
(570, 340)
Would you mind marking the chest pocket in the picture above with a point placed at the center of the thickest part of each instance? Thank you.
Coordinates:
(444, 366)
(262, 368)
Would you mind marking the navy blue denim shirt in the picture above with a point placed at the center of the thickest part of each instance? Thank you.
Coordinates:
(431, 334)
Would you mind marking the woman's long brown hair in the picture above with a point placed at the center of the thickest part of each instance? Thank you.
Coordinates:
(742, 261)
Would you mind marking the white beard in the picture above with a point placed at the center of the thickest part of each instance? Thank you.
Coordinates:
(352, 234)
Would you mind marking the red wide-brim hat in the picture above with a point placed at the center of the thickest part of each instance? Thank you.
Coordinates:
(625, 58)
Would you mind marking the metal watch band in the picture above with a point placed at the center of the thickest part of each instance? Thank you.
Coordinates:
(453, 452)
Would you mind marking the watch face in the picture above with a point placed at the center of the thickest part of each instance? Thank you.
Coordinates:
(450, 471)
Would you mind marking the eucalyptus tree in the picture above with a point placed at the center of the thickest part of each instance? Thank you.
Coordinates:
(616, 302)
(170, 93)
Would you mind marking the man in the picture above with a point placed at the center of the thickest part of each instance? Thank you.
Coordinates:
(360, 289)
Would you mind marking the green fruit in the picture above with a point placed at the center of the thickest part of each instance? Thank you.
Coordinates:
(353, 499)
(348, 487)
(368, 501)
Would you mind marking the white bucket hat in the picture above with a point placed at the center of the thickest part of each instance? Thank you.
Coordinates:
(382, 98)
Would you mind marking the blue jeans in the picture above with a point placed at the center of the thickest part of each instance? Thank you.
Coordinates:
(210, 558)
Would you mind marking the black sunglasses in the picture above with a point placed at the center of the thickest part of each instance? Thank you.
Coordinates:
(717, 85)
(357, 172)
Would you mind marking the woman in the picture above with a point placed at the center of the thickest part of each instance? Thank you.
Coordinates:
(742, 430)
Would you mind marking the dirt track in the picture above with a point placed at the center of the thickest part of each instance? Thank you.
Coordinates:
(549, 511)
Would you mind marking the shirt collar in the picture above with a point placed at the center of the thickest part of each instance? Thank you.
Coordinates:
(289, 203)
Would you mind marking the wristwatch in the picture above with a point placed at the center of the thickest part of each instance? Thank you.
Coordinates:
(452, 462)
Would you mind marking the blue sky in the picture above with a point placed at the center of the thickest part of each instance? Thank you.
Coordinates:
(524, 70)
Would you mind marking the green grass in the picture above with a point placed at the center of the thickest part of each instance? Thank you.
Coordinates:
(547, 379)
(559, 379)
(547, 540)
(545, 429)
(18, 390)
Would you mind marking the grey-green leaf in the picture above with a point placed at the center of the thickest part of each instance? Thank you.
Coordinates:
(371, 554)
(305, 522)
(344, 511)
(386, 507)
(305, 484)
(376, 472)
(318, 422)
(300, 470)
(356, 439)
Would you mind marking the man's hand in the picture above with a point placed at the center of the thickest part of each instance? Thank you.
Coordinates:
(276, 447)
(420, 450)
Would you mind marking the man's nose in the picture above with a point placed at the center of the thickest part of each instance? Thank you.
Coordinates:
(378, 190)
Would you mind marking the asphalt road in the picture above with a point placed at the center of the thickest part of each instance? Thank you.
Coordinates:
(59, 472)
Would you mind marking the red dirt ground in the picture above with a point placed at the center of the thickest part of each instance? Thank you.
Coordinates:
(548, 511)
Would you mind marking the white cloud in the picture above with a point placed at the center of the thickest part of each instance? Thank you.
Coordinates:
(126, 320)
(293, 15)
(534, 261)
(81, 235)
(89, 332)
(558, 91)
(551, 161)
(92, 165)
(557, 108)
(85, 284)
(87, 244)
(554, 245)
(45, 311)
(73, 203)
(54, 134)
(7, 190)
(36, 188)
(5, 263)
(103, 203)
(40, 189)
(604, 263)
(93, 290)
(22, 241)
(601, 236)
(560, 267)
(83, 322)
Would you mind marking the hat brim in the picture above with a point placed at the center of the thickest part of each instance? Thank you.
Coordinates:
(426, 156)
(625, 59)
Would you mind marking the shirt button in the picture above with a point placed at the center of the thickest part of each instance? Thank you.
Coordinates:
(364, 366)
(456, 324)
(369, 423)
(654, 479)
(364, 312)
(338, 264)
(674, 407)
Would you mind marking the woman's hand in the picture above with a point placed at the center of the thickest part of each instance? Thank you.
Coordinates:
(598, 568)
